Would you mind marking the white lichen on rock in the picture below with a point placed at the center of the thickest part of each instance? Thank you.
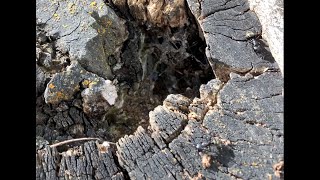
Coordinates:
(110, 92)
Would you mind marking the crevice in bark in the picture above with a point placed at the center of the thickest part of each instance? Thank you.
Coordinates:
(157, 62)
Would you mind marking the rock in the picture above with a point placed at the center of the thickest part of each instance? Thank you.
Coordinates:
(98, 97)
(89, 30)
(99, 94)
(64, 85)
(47, 56)
(110, 92)
(270, 14)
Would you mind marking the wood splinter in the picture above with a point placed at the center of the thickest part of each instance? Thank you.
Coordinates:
(75, 140)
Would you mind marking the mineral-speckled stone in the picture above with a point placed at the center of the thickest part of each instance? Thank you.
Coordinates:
(99, 94)
(89, 30)
(98, 97)
(64, 85)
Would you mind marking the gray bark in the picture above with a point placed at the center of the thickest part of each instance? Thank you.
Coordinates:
(228, 128)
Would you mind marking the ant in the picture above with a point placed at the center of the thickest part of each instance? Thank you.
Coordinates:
(254, 40)
(206, 156)
(204, 147)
